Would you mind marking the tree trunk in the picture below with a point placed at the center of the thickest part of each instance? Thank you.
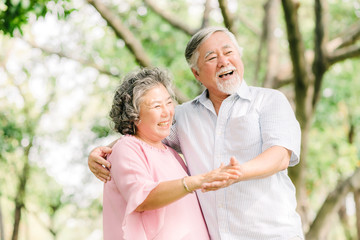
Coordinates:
(357, 209)
(271, 13)
(298, 176)
(2, 232)
(20, 201)
(323, 221)
(344, 219)
(21, 193)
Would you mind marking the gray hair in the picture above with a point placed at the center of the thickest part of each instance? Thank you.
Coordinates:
(191, 51)
(125, 109)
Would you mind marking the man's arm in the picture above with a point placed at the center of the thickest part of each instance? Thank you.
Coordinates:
(269, 162)
(97, 163)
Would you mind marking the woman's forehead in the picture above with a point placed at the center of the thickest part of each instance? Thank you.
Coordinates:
(156, 94)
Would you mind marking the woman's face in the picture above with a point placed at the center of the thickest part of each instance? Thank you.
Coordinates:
(156, 115)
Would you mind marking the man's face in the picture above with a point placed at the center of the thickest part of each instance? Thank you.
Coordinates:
(220, 68)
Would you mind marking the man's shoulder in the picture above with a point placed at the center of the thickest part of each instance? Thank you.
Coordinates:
(263, 90)
(183, 107)
(267, 94)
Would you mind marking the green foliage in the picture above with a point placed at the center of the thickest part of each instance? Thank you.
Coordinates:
(14, 14)
(87, 37)
(10, 133)
(337, 10)
(100, 131)
(332, 156)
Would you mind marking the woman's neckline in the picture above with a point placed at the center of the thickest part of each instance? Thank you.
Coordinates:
(144, 143)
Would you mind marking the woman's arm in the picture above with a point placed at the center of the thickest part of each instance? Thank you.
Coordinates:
(170, 191)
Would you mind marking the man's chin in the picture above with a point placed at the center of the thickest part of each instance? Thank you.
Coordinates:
(230, 86)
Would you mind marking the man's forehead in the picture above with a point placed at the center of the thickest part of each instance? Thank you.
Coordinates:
(224, 47)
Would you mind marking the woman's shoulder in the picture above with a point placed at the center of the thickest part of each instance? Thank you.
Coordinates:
(126, 142)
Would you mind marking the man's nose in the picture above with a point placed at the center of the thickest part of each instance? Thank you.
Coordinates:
(223, 61)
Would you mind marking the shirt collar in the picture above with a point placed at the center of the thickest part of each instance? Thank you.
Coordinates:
(242, 92)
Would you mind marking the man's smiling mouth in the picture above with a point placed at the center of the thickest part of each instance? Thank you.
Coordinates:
(228, 73)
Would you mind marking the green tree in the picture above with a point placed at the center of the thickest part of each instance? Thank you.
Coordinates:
(303, 63)
(14, 14)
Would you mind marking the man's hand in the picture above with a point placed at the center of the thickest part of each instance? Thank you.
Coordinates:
(98, 165)
(233, 167)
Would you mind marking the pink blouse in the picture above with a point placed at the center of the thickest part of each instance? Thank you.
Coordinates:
(136, 169)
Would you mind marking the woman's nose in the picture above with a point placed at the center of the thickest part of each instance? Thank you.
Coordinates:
(165, 110)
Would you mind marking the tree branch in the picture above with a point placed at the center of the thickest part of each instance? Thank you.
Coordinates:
(270, 23)
(228, 17)
(179, 95)
(357, 209)
(348, 37)
(297, 53)
(320, 61)
(230, 20)
(296, 44)
(207, 10)
(81, 61)
(122, 32)
(343, 54)
(322, 223)
(175, 22)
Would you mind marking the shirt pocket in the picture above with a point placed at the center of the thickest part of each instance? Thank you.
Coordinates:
(244, 132)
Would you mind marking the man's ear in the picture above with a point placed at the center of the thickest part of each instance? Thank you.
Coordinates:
(196, 73)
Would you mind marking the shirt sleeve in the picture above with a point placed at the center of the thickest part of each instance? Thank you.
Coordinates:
(173, 140)
(279, 126)
(132, 175)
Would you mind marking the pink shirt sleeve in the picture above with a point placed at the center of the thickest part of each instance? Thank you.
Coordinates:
(134, 179)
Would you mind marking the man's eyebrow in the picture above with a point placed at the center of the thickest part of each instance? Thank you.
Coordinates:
(226, 46)
(208, 53)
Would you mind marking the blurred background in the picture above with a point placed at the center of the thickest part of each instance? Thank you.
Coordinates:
(61, 60)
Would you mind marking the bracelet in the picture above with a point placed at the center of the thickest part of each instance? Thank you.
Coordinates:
(185, 186)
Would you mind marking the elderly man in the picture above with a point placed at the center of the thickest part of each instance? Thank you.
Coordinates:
(253, 128)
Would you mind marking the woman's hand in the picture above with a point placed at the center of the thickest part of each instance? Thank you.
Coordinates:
(233, 170)
(218, 178)
(169, 191)
(98, 165)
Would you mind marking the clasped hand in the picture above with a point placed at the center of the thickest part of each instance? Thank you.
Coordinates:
(223, 176)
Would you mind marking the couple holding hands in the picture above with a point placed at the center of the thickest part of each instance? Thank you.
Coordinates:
(250, 132)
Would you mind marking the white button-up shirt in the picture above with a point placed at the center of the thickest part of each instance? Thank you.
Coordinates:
(249, 122)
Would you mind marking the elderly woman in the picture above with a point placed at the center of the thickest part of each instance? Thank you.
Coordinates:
(149, 194)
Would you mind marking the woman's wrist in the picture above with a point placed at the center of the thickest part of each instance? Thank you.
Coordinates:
(194, 182)
(186, 185)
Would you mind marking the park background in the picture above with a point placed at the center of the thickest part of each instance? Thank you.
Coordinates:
(60, 62)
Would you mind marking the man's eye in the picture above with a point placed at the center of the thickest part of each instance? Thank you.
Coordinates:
(229, 52)
(212, 58)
